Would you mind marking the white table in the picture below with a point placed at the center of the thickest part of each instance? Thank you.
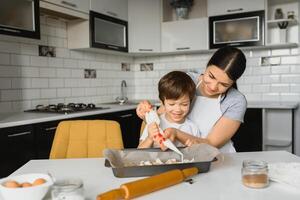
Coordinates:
(223, 181)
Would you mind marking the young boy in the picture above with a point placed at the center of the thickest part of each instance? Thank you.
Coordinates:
(176, 92)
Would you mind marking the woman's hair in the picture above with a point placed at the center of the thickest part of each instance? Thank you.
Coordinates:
(231, 60)
(175, 85)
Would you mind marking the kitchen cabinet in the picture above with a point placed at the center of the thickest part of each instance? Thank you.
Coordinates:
(113, 8)
(224, 7)
(17, 146)
(289, 34)
(144, 26)
(78, 5)
(187, 35)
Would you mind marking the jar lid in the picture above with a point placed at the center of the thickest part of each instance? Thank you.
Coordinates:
(255, 165)
(67, 185)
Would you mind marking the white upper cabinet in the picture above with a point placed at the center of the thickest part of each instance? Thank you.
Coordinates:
(224, 7)
(186, 35)
(78, 5)
(113, 8)
(144, 25)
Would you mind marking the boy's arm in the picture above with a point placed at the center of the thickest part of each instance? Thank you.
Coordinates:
(147, 143)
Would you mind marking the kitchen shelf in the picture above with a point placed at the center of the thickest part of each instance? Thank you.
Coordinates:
(276, 21)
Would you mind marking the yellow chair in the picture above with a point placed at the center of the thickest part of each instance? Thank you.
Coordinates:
(85, 138)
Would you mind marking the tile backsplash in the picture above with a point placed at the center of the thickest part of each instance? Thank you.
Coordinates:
(27, 79)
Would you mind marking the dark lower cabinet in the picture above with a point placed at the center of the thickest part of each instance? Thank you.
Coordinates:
(20, 144)
(249, 135)
(17, 146)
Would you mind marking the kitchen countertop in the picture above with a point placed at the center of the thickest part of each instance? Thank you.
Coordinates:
(23, 118)
(223, 181)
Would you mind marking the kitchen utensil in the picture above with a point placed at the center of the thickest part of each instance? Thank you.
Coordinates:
(151, 117)
(148, 185)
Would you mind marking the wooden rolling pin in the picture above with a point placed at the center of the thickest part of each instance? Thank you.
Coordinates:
(144, 186)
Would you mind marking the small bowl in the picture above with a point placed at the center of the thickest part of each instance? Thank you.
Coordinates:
(27, 193)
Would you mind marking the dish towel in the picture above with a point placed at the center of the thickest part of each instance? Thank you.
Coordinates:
(288, 173)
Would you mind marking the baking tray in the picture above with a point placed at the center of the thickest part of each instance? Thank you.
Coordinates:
(149, 170)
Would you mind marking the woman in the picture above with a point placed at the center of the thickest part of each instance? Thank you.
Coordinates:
(218, 108)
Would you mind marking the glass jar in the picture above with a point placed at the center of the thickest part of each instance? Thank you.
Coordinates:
(68, 189)
(255, 173)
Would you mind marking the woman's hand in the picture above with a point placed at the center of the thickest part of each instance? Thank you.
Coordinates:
(142, 108)
(153, 130)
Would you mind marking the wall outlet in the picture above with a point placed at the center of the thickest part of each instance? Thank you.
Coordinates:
(90, 73)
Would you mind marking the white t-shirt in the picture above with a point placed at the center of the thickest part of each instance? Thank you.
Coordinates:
(187, 126)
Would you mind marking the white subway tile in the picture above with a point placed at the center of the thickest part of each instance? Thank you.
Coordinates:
(295, 51)
(53, 21)
(39, 61)
(252, 79)
(9, 71)
(295, 87)
(261, 70)
(278, 52)
(29, 49)
(295, 69)
(50, 31)
(21, 60)
(63, 92)
(21, 105)
(102, 90)
(55, 62)
(48, 93)
(271, 97)
(36, 102)
(55, 41)
(261, 88)
(260, 53)
(290, 60)
(253, 96)
(83, 64)
(5, 83)
(61, 32)
(271, 79)
(280, 88)
(77, 92)
(56, 101)
(63, 73)
(245, 88)
(71, 83)
(283, 69)
(84, 82)
(56, 83)
(76, 54)
(9, 47)
(77, 73)
(29, 94)
(5, 107)
(90, 91)
(20, 83)
(29, 71)
(253, 62)
(4, 58)
(290, 97)
(10, 95)
(290, 78)
(39, 83)
(95, 65)
(69, 63)
(47, 72)
(62, 53)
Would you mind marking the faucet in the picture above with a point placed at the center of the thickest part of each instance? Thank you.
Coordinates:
(123, 97)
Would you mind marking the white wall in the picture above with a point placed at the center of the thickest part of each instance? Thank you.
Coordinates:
(27, 79)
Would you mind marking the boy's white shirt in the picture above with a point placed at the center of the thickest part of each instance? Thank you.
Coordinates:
(187, 126)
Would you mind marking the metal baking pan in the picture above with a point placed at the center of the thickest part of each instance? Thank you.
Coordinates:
(149, 170)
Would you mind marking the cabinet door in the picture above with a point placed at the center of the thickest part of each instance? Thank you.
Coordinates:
(144, 22)
(185, 35)
(249, 135)
(44, 134)
(79, 5)
(113, 8)
(223, 7)
(16, 147)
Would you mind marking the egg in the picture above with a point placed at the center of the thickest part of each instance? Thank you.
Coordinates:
(38, 181)
(26, 184)
(11, 184)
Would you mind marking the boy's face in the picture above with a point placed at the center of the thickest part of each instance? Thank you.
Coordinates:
(177, 109)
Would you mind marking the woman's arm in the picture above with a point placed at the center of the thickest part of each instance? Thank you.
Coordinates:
(220, 134)
(147, 143)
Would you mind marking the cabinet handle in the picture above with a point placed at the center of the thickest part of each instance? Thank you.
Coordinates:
(279, 145)
(112, 13)
(19, 134)
(145, 49)
(69, 4)
(51, 128)
(235, 10)
(10, 30)
(127, 115)
(182, 48)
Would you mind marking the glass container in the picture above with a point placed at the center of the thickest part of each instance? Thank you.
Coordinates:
(255, 173)
(67, 189)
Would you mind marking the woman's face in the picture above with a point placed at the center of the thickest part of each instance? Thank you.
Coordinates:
(215, 81)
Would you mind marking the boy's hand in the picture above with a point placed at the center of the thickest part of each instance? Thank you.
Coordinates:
(142, 108)
(153, 130)
(170, 133)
